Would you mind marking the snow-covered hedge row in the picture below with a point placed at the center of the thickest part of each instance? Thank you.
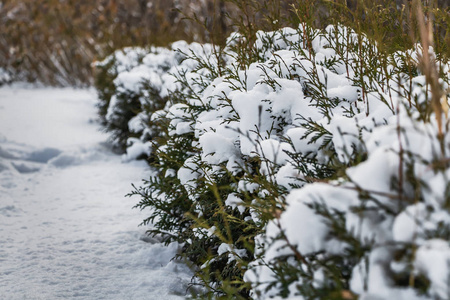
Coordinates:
(132, 84)
(315, 168)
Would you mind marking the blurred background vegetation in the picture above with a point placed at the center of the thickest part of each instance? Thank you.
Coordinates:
(56, 41)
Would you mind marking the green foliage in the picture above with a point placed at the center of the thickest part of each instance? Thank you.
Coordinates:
(229, 213)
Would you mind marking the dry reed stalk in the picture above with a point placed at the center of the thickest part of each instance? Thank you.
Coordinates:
(427, 65)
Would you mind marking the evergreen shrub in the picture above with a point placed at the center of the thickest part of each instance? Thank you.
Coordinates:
(133, 84)
(303, 164)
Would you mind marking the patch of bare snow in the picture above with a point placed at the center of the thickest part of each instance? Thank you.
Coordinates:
(66, 229)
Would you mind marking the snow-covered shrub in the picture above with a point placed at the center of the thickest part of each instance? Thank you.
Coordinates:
(380, 231)
(133, 84)
(240, 140)
(186, 205)
(378, 228)
(301, 170)
(124, 104)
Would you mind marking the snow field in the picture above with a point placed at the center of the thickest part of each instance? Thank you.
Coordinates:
(66, 229)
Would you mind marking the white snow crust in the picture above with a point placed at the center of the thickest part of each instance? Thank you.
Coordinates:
(66, 229)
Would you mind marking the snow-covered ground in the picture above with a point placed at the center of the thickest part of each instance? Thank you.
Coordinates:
(66, 229)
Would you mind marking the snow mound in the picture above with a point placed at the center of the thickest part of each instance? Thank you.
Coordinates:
(43, 155)
(24, 167)
(77, 157)
(3, 167)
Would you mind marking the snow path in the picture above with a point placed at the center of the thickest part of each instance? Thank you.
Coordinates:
(66, 231)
